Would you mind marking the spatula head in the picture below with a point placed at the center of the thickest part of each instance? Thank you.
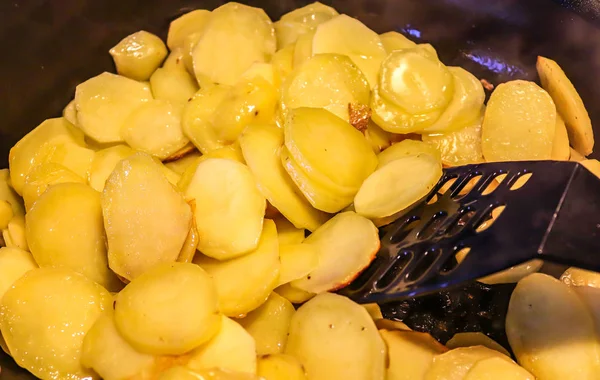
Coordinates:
(484, 218)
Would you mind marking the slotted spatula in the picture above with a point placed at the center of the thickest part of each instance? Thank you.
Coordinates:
(553, 216)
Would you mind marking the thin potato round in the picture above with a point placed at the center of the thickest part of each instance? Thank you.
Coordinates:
(297, 261)
(294, 295)
(232, 349)
(14, 263)
(560, 146)
(138, 55)
(8, 194)
(173, 85)
(6, 214)
(230, 152)
(168, 310)
(497, 369)
(269, 324)
(104, 102)
(460, 147)
(580, 277)
(41, 177)
(228, 204)
(336, 338)
(104, 163)
(395, 41)
(551, 330)
(513, 274)
(519, 123)
(244, 283)
(301, 21)
(261, 145)
(44, 318)
(346, 245)
(348, 36)
(406, 148)
(456, 363)
(329, 81)
(397, 185)
(468, 339)
(287, 233)
(568, 104)
(280, 367)
(184, 25)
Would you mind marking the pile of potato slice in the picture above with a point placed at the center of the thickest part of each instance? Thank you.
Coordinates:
(158, 229)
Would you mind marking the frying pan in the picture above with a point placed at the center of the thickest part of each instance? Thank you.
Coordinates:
(51, 46)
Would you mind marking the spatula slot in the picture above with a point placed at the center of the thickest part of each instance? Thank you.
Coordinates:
(452, 262)
(520, 181)
(425, 261)
(404, 229)
(467, 186)
(490, 219)
(466, 215)
(432, 225)
(402, 260)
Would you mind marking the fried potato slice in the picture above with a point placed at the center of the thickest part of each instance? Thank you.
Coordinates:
(168, 310)
(456, 363)
(146, 219)
(410, 353)
(235, 36)
(468, 339)
(497, 369)
(228, 204)
(44, 318)
(551, 331)
(297, 261)
(395, 41)
(232, 349)
(269, 324)
(519, 123)
(568, 104)
(14, 263)
(105, 101)
(300, 21)
(294, 295)
(261, 145)
(104, 162)
(346, 245)
(8, 194)
(287, 232)
(580, 277)
(42, 176)
(460, 147)
(347, 36)
(280, 367)
(336, 338)
(138, 55)
(560, 146)
(173, 85)
(244, 283)
(184, 25)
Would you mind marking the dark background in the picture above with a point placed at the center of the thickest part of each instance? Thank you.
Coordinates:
(49, 46)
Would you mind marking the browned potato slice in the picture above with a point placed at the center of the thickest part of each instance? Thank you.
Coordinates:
(280, 367)
(580, 277)
(269, 324)
(138, 194)
(468, 339)
(138, 55)
(346, 245)
(184, 25)
(519, 123)
(261, 145)
(456, 363)
(560, 146)
(551, 330)
(336, 338)
(568, 104)
(244, 283)
(410, 353)
(497, 369)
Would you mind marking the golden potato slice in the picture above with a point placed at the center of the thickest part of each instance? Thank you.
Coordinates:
(459, 147)
(580, 277)
(283, 62)
(106, 352)
(374, 311)
(8, 194)
(189, 44)
(346, 245)
(456, 363)
(43, 176)
(70, 112)
(468, 339)
(297, 261)
(280, 367)
(104, 102)
(72, 156)
(560, 146)
(168, 310)
(329, 81)
(551, 331)
(184, 25)
(244, 283)
(146, 219)
(419, 83)
(230, 152)
(232, 349)
(27, 152)
(183, 373)
(155, 128)
(406, 148)
(300, 21)
(568, 104)
(180, 165)
(309, 133)
(391, 325)
(54, 232)
(104, 163)
(303, 49)
(6, 214)
(348, 36)
(44, 318)
(235, 36)
(229, 204)
(266, 71)
(261, 145)
(397, 185)
(519, 123)
(395, 41)
(377, 137)
(269, 324)
(293, 295)
(173, 85)
(336, 338)
(329, 199)
(14, 263)
(14, 235)
(394, 119)
(410, 353)
(513, 274)
(497, 369)
(466, 105)
(138, 55)
(287, 233)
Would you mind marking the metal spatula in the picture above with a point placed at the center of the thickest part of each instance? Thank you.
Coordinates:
(553, 216)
